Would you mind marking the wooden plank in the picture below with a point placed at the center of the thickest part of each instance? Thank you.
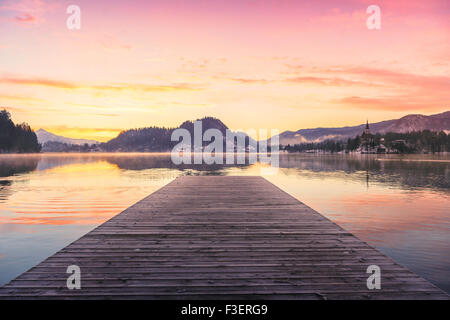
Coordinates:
(216, 237)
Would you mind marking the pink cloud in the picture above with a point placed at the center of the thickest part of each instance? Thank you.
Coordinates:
(22, 6)
(426, 82)
(59, 84)
(395, 103)
(250, 81)
(325, 81)
(26, 17)
(27, 11)
(39, 82)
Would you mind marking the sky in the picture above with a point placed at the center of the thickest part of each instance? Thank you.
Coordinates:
(254, 64)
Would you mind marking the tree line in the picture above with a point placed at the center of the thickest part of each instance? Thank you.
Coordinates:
(327, 145)
(411, 142)
(18, 138)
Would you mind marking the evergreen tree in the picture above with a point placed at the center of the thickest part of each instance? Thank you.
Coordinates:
(16, 138)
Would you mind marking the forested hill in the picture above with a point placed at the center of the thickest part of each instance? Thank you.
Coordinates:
(151, 139)
(413, 122)
(16, 137)
(157, 139)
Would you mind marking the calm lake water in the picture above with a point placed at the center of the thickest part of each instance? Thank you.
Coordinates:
(399, 204)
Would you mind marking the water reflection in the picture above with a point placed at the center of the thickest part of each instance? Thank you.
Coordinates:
(409, 171)
(160, 161)
(11, 165)
(397, 203)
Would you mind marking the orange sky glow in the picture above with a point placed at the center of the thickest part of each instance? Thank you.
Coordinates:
(283, 64)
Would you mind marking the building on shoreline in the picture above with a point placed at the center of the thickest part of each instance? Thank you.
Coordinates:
(369, 144)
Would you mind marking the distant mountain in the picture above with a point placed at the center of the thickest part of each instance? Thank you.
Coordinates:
(45, 136)
(409, 123)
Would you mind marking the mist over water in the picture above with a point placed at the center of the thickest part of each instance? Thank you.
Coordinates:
(399, 204)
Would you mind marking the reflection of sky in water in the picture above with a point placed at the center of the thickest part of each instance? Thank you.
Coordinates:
(401, 207)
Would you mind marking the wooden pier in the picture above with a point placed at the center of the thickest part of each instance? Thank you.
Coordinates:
(214, 237)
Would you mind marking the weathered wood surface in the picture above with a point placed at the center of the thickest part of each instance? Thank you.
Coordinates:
(212, 237)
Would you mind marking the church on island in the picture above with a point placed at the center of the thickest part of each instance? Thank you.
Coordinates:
(368, 143)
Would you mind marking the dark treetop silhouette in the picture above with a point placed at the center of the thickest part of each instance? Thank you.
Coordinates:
(16, 137)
